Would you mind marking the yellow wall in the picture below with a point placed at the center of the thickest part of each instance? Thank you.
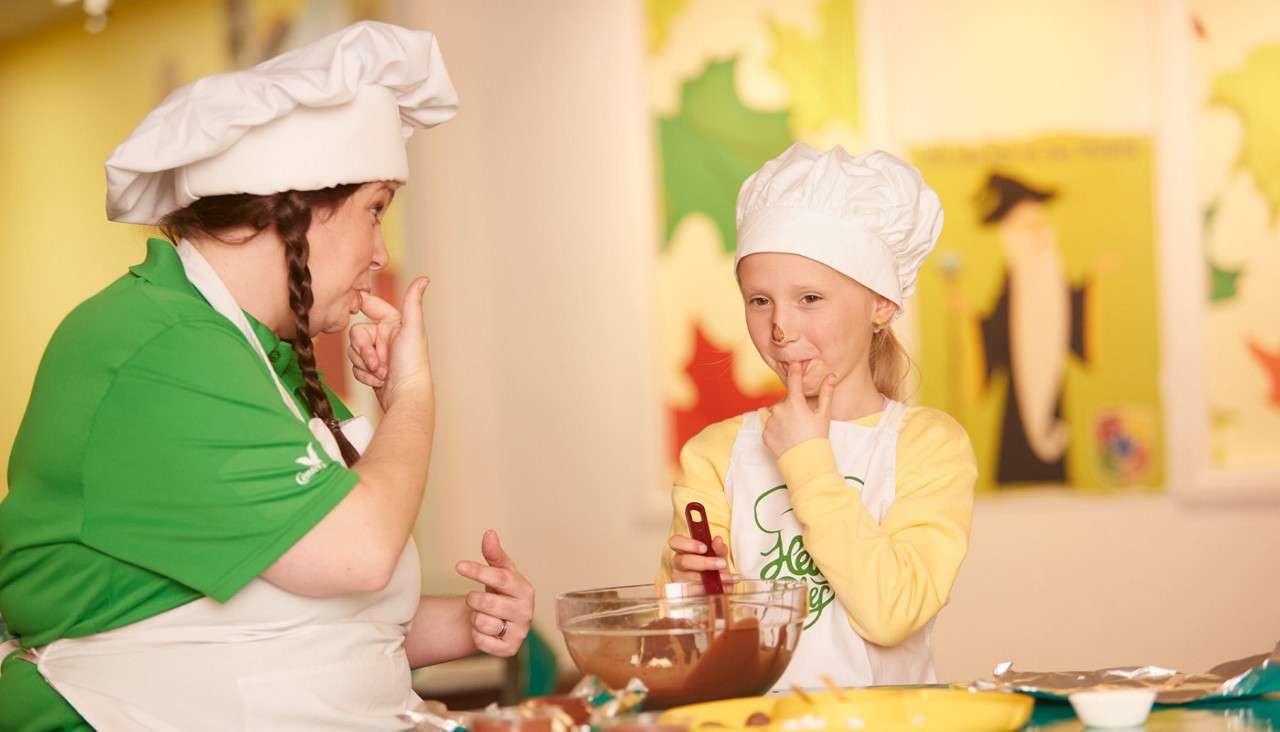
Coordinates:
(69, 97)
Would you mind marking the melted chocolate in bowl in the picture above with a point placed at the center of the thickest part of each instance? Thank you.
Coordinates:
(690, 650)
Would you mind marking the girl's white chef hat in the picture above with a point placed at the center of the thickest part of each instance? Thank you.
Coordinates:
(870, 217)
(335, 111)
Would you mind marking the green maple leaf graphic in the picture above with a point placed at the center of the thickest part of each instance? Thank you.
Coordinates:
(711, 146)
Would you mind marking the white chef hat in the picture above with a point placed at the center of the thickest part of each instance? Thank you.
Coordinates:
(870, 217)
(334, 111)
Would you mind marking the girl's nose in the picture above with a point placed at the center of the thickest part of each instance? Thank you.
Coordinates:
(778, 335)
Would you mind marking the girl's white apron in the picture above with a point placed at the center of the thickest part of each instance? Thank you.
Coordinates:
(768, 544)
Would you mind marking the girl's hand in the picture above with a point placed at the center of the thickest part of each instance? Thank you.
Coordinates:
(792, 421)
(500, 616)
(688, 563)
(389, 354)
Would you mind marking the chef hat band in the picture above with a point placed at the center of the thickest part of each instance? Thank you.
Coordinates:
(870, 217)
(838, 243)
(356, 142)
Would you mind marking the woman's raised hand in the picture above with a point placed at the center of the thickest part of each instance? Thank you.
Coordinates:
(389, 353)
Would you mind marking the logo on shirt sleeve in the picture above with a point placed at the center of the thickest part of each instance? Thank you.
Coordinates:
(311, 464)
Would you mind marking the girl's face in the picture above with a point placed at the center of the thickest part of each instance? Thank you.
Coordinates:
(346, 249)
(803, 314)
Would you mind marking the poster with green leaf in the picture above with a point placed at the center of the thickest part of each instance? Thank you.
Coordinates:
(1237, 66)
(732, 84)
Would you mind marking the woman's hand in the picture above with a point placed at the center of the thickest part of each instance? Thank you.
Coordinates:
(792, 421)
(689, 561)
(389, 353)
(500, 616)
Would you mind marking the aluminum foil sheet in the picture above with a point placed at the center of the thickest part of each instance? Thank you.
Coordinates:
(1242, 678)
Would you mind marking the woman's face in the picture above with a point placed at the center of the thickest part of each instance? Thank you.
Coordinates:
(346, 249)
(803, 314)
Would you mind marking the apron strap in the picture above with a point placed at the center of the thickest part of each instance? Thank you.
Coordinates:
(206, 280)
(888, 425)
(892, 419)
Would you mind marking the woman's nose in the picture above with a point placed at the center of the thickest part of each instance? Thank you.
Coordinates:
(381, 257)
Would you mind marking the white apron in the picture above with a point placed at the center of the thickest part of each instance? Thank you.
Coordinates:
(264, 660)
(768, 544)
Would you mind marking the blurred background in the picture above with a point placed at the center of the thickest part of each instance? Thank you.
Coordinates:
(576, 219)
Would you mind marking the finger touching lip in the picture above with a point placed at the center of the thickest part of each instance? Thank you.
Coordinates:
(802, 364)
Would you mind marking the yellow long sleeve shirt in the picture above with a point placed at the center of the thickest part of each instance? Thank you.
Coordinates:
(892, 576)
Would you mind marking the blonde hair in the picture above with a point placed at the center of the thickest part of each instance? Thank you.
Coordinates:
(889, 364)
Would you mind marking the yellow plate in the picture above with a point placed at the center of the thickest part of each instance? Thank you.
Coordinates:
(888, 710)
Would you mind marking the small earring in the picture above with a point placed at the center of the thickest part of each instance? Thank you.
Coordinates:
(877, 326)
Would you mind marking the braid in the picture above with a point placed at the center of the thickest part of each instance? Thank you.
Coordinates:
(292, 219)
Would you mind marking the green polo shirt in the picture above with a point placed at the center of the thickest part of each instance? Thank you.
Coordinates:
(156, 464)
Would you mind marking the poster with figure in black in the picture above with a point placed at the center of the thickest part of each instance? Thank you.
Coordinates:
(1037, 321)
(1037, 316)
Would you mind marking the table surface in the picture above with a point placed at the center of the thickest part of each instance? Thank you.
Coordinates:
(1253, 715)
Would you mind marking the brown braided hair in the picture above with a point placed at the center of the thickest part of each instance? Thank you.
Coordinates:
(289, 213)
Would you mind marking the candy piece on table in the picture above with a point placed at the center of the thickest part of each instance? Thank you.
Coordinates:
(510, 719)
(433, 716)
(576, 708)
(605, 703)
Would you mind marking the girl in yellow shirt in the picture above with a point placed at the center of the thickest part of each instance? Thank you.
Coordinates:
(839, 484)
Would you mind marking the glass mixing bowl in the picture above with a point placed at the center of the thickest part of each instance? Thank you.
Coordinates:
(685, 645)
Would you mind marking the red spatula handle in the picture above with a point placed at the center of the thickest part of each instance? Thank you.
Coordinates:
(700, 530)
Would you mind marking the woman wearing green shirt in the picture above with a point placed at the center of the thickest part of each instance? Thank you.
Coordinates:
(198, 535)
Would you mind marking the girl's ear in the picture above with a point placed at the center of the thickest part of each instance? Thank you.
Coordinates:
(884, 311)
